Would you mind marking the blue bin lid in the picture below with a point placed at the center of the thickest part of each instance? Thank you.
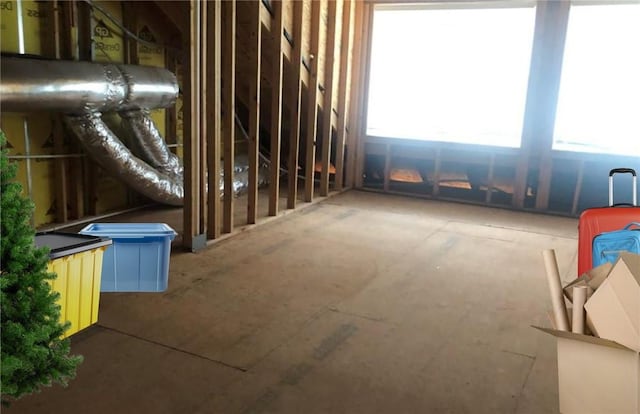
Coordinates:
(129, 230)
(65, 244)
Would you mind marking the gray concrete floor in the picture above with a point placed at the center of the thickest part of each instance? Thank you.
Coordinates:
(364, 303)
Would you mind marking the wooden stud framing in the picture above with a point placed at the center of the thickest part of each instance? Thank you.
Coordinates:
(343, 87)
(576, 194)
(60, 171)
(51, 43)
(544, 184)
(312, 110)
(204, 123)
(365, 19)
(192, 129)
(327, 125)
(296, 92)
(214, 10)
(130, 21)
(172, 112)
(229, 100)
(254, 110)
(490, 180)
(50, 35)
(81, 43)
(276, 108)
(436, 173)
(387, 167)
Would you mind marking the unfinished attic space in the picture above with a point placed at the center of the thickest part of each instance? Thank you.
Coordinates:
(320, 206)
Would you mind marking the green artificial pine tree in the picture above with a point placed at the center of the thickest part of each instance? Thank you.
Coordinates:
(33, 353)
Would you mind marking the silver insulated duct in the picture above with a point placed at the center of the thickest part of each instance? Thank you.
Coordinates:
(115, 157)
(146, 142)
(84, 90)
(78, 87)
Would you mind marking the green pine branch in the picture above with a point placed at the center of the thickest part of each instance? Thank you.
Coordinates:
(33, 354)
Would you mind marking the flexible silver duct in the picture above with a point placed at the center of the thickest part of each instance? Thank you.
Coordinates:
(147, 143)
(241, 175)
(78, 87)
(115, 157)
(82, 90)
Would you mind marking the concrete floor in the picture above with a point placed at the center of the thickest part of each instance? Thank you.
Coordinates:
(364, 303)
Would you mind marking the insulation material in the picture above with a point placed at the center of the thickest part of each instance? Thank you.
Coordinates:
(39, 128)
(13, 127)
(149, 55)
(43, 196)
(35, 175)
(152, 56)
(26, 14)
(318, 167)
(159, 118)
(110, 194)
(107, 42)
(405, 175)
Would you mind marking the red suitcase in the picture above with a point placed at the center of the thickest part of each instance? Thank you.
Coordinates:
(594, 221)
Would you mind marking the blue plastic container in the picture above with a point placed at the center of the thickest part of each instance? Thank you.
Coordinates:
(138, 259)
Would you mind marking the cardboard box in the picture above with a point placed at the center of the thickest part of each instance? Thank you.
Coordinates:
(595, 375)
(613, 311)
(593, 278)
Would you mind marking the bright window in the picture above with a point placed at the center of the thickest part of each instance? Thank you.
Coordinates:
(452, 73)
(599, 100)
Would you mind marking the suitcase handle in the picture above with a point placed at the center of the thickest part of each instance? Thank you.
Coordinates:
(628, 226)
(635, 185)
(622, 171)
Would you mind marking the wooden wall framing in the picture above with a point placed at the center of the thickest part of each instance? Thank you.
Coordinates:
(213, 111)
(277, 27)
(295, 52)
(343, 89)
(327, 125)
(295, 109)
(229, 111)
(312, 104)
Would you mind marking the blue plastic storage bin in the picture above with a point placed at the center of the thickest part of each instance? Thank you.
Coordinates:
(138, 260)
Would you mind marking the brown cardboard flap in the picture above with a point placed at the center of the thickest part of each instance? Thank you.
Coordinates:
(633, 263)
(583, 338)
(597, 275)
(593, 278)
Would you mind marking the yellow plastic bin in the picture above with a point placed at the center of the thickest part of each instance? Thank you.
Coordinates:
(77, 260)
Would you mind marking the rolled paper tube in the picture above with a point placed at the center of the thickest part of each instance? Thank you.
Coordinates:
(555, 289)
(579, 298)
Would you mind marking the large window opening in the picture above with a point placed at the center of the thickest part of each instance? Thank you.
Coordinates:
(451, 73)
(599, 99)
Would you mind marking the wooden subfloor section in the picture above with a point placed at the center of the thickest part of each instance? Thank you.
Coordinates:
(364, 303)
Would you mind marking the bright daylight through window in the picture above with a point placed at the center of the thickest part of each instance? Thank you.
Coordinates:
(599, 101)
(451, 73)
